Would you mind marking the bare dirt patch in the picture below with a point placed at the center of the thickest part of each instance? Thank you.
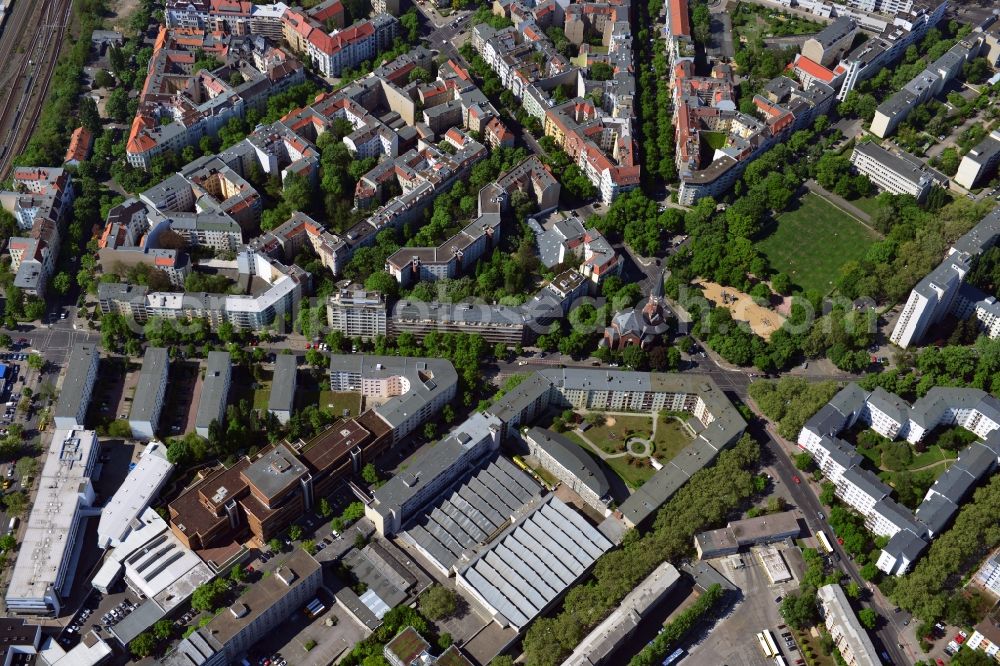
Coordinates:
(763, 321)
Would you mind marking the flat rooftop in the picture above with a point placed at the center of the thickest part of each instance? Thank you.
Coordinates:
(155, 365)
(76, 381)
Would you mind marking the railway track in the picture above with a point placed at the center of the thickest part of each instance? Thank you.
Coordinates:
(30, 83)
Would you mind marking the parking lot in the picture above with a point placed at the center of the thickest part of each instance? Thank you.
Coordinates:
(733, 639)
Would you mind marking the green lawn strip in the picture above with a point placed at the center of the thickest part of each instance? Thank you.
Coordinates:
(261, 395)
(715, 140)
(812, 242)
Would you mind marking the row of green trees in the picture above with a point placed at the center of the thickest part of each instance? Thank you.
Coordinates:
(679, 627)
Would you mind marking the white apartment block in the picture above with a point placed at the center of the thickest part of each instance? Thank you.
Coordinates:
(848, 635)
(357, 313)
(986, 638)
(980, 162)
(896, 174)
(989, 574)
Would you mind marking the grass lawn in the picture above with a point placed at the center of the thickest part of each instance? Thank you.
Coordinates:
(867, 204)
(812, 242)
(340, 402)
(261, 395)
(671, 438)
(715, 140)
(611, 438)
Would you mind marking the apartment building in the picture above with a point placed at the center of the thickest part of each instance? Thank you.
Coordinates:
(572, 466)
(925, 85)
(461, 252)
(848, 635)
(894, 173)
(38, 192)
(150, 392)
(281, 401)
(77, 386)
(177, 108)
(214, 391)
(986, 637)
(980, 162)
(909, 533)
(416, 388)
(938, 294)
(356, 312)
(48, 553)
(277, 292)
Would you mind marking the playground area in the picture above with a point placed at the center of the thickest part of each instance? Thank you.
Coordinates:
(763, 320)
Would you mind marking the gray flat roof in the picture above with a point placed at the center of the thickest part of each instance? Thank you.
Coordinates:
(867, 482)
(214, 390)
(75, 383)
(155, 365)
(282, 396)
(437, 459)
(573, 458)
(275, 471)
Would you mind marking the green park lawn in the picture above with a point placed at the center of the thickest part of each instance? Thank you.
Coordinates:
(611, 438)
(867, 204)
(812, 242)
(671, 438)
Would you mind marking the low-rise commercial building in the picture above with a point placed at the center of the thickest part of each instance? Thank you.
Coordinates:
(77, 386)
(134, 495)
(147, 403)
(848, 635)
(523, 572)
(599, 646)
(267, 604)
(47, 560)
(214, 391)
(409, 647)
(748, 532)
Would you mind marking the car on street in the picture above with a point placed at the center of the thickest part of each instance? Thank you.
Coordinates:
(796, 479)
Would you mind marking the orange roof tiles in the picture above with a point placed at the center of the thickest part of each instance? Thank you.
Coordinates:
(680, 23)
(813, 69)
(79, 145)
